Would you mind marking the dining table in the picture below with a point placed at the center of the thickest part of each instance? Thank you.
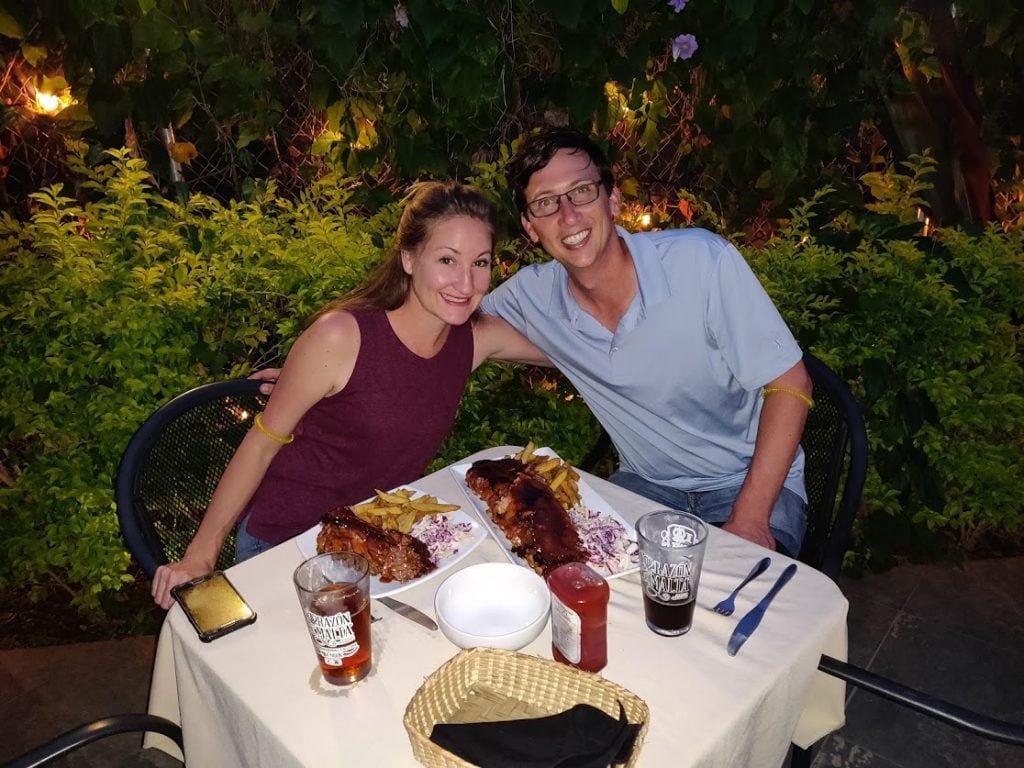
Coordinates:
(256, 697)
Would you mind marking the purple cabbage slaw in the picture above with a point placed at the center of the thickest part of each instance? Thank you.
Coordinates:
(611, 549)
(442, 537)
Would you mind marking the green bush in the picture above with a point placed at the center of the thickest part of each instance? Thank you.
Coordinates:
(111, 308)
(928, 332)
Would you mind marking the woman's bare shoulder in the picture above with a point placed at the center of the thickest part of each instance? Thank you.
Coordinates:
(334, 326)
(325, 353)
(334, 333)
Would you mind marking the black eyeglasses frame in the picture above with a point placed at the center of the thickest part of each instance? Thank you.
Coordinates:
(568, 195)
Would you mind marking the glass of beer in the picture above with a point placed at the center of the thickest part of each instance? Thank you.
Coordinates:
(671, 552)
(334, 590)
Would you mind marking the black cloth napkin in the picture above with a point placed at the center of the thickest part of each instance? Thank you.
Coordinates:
(581, 737)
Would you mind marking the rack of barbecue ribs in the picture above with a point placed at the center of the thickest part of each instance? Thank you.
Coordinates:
(525, 509)
(393, 555)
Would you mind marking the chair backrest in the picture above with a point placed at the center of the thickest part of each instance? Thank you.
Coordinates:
(172, 465)
(835, 447)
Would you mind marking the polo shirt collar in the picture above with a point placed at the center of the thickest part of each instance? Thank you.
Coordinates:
(562, 305)
(650, 274)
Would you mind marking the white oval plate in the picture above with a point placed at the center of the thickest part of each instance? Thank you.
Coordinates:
(590, 500)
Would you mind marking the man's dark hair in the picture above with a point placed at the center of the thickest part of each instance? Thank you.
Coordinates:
(537, 150)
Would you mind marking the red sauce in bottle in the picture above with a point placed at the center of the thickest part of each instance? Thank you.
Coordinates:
(579, 617)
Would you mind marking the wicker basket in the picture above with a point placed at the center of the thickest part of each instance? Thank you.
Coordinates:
(486, 684)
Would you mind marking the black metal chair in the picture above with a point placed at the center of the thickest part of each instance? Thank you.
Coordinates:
(911, 698)
(835, 445)
(90, 732)
(172, 465)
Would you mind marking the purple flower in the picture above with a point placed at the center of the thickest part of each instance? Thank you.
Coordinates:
(401, 15)
(683, 47)
(678, 5)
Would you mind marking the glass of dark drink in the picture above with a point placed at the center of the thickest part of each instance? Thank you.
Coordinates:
(671, 552)
(334, 590)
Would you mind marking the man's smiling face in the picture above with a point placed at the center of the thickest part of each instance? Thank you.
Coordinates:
(576, 236)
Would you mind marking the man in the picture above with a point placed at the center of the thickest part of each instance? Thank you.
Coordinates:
(671, 340)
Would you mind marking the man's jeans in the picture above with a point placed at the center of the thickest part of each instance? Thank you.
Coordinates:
(787, 523)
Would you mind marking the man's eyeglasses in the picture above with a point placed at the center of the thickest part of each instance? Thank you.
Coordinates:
(547, 206)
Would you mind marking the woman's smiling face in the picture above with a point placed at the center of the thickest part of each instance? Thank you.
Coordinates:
(451, 271)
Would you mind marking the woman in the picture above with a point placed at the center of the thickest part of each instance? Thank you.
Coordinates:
(369, 390)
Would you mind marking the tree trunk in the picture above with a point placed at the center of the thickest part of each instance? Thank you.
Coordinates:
(964, 111)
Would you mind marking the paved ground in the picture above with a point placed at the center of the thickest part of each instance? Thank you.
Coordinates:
(46, 691)
(955, 632)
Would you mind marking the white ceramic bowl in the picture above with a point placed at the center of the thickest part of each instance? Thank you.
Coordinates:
(492, 605)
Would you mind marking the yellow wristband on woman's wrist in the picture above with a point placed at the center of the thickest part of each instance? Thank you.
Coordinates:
(794, 392)
(279, 439)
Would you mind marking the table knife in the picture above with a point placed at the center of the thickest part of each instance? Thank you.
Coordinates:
(749, 623)
(404, 609)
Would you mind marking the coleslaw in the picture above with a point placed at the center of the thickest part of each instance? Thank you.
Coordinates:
(611, 549)
(442, 537)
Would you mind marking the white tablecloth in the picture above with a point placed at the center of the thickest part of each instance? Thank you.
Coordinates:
(256, 698)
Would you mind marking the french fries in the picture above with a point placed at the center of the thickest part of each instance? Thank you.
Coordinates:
(561, 478)
(398, 511)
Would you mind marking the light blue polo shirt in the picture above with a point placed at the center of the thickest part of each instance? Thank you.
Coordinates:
(677, 385)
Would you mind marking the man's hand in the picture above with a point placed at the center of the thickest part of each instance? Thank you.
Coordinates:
(751, 530)
(268, 376)
(171, 575)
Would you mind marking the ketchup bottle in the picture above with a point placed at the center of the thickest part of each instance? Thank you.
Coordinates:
(579, 616)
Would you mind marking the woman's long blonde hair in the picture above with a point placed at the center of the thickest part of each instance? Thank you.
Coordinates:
(426, 204)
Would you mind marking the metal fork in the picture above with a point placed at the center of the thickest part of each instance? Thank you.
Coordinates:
(727, 606)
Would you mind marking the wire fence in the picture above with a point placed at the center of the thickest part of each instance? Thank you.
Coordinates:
(33, 149)
(33, 145)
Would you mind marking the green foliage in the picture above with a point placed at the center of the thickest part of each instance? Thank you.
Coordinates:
(900, 194)
(771, 105)
(511, 405)
(112, 307)
(419, 85)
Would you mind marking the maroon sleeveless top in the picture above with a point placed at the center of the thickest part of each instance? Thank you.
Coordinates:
(379, 431)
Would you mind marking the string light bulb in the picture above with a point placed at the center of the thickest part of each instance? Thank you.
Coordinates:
(51, 103)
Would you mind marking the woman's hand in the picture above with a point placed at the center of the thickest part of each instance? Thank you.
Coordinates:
(171, 575)
(269, 376)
